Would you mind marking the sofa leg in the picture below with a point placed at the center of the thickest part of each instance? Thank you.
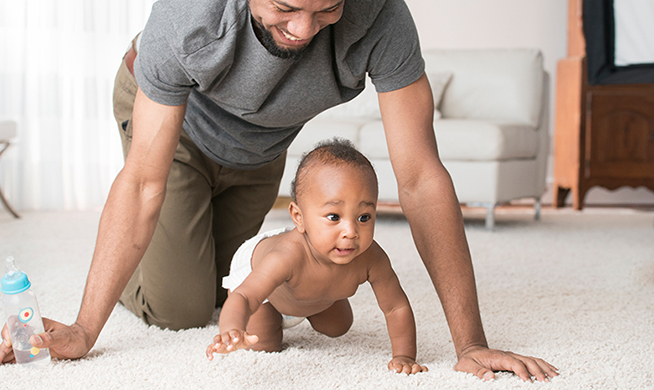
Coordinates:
(490, 216)
(490, 212)
(537, 208)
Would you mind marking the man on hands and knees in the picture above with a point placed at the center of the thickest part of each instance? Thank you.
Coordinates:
(207, 101)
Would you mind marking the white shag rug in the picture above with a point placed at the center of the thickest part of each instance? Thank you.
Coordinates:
(576, 288)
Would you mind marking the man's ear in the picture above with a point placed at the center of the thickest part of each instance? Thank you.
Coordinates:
(296, 216)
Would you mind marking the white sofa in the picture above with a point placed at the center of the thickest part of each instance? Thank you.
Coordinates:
(491, 125)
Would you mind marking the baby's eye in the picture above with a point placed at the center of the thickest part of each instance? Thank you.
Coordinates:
(333, 217)
(365, 218)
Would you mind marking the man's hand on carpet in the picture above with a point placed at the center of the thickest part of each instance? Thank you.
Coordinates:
(65, 342)
(482, 362)
(230, 342)
(6, 352)
(405, 365)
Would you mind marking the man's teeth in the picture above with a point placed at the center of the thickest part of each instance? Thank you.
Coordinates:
(290, 37)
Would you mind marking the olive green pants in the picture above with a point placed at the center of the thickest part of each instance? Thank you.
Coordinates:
(208, 212)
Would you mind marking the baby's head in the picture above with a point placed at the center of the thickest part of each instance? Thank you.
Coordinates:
(336, 152)
(334, 201)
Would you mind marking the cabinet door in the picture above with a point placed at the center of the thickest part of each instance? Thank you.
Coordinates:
(620, 134)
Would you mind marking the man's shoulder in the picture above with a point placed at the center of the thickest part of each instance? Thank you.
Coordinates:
(368, 17)
(206, 9)
(195, 24)
(362, 13)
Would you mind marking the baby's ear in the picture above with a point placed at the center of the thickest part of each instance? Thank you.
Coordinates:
(296, 216)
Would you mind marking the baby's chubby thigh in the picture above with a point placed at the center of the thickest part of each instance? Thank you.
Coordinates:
(266, 323)
(334, 321)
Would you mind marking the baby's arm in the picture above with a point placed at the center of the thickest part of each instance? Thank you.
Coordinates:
(397, 310)
(243, 302)
(234, 316)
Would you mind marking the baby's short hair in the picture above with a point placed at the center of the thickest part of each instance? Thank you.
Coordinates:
(334, 151)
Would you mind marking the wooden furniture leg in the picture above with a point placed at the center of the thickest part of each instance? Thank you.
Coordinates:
(560, 194)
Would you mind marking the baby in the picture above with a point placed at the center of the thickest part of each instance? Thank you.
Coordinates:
(309, 271)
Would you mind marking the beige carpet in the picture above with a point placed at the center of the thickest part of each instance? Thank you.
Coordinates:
(576, 289)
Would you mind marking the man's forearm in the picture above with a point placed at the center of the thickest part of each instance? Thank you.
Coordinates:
(132, 209)
(430, 205)
(126, 228)
(437, 227)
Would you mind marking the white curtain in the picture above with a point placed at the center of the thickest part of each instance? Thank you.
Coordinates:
(58, 60)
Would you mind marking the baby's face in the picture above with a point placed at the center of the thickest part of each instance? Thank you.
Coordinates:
(338, 205)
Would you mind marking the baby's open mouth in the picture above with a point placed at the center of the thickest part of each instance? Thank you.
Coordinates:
(344, 251)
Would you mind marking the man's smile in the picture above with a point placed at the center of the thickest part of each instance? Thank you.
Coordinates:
(289, 39)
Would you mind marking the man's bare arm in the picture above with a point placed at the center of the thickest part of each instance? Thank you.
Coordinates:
(429, 202)
(126, 225)
(132, 209)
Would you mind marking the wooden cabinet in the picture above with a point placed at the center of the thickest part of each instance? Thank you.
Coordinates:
(604, 134)
(620, 134)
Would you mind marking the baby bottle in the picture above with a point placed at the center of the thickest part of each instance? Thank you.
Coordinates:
(23, 316)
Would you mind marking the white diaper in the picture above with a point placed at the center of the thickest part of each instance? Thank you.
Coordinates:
(241, 267)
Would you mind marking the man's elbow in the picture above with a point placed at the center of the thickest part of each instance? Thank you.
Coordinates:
(424, 178)
(153, 193)
(148, 191)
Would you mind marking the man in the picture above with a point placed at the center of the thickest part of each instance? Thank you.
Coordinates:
(221, 88)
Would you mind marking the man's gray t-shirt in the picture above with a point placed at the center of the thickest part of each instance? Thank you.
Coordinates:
(245, 106)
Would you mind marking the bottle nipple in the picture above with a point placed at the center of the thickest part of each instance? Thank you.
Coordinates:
(12, 271)
(14, 281)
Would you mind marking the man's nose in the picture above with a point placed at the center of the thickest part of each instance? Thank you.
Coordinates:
(303, 26)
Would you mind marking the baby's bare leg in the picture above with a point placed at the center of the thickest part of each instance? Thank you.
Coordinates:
(266, 323)
(335, 321)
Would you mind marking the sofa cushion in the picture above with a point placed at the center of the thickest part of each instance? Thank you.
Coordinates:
(462, 139)
(438, 83)
(475, 140)
(366, 105)
(363, 106)
(502, 84)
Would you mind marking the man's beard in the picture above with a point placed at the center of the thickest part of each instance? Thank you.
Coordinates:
(268, 41)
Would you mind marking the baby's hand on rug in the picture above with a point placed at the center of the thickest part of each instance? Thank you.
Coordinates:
(405, 365)
(6, 352)
(230, 342)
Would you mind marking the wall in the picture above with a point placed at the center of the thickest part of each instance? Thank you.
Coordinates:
(510, 23)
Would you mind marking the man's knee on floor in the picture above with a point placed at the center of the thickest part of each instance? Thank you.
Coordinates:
(193, 314)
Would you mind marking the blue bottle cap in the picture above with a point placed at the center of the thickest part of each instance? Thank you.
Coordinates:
(15, 281)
